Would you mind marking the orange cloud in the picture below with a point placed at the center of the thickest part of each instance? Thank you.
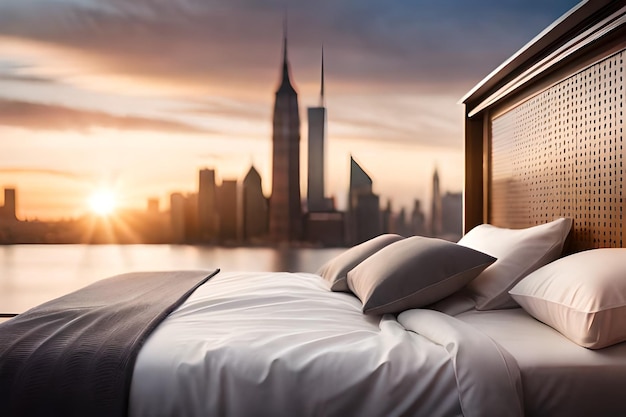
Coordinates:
(43, 171)
(36, 116)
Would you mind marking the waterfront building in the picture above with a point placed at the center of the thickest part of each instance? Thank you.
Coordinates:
(208, 219)
(177, 218)
(364, 216)
(255, 207)
(153, 206)
(228, 210)
(285, 206)
(184, 218)
(436, 225)
(316, 200)
(325, 228)
(452, 215)
(418, 220)
(402, 227)
(9, 210)
(191, 218)
(387, 218)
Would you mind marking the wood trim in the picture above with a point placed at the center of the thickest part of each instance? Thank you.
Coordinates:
(537, 45)
(473, 200)
(580, 64)
(609, 29)
(487, 166)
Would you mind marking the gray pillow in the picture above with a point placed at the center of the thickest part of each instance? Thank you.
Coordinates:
(336, 270)
(413, 273)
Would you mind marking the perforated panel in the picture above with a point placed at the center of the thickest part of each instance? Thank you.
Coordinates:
(561, 153)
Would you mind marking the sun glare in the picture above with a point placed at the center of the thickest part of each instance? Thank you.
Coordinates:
(102, 202)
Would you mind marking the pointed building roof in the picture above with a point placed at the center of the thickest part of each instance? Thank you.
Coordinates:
(285, 83)
(252, 176)
(358, 177)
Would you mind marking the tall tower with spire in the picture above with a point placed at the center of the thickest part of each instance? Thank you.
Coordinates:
(285, 207)
(317, 134)
(436, 215)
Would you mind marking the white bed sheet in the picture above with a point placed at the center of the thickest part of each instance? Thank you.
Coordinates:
(252, 344)
(559, 378)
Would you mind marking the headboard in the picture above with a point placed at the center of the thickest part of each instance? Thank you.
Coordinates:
(544, 132)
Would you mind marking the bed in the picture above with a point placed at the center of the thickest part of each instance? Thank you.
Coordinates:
(524, 316)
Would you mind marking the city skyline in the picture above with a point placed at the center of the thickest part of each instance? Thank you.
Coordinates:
(138, 97)
(235, 213)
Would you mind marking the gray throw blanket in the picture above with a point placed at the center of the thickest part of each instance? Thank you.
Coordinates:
(74, 356)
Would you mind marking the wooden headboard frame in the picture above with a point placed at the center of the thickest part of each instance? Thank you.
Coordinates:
(544, 132)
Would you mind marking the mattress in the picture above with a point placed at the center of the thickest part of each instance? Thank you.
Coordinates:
(559, 378)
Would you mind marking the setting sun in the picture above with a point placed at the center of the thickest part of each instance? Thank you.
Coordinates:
(102, 202)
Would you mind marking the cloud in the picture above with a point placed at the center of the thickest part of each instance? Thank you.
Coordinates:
(42, 171)
(422, 133)
(26, 78)
(225, 108)
(12, 71)
(370, 45)
(37, 116)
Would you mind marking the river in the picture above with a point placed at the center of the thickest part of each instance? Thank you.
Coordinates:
(33, 274)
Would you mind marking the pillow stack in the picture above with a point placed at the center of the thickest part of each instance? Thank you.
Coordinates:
(390, 274)
(398, 274)
(414, 273)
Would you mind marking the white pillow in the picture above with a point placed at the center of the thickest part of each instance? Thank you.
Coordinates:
(583, 296)
(519, 252)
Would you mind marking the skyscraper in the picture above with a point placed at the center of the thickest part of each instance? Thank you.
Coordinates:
(418, 222)
(435, 212)
(177, 218)
(208, 220)
(8, 211)
(365, 220)
(184, 218)
(191, 217)
(254, 206)
(317, 134)
(285, 205)
(452, 215)
(228, 210)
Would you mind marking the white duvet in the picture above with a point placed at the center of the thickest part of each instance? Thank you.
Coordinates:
(282, 344)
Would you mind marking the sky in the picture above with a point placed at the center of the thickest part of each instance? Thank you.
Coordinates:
(137, 96)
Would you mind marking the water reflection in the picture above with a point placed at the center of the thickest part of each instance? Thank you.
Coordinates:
(33, 274)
